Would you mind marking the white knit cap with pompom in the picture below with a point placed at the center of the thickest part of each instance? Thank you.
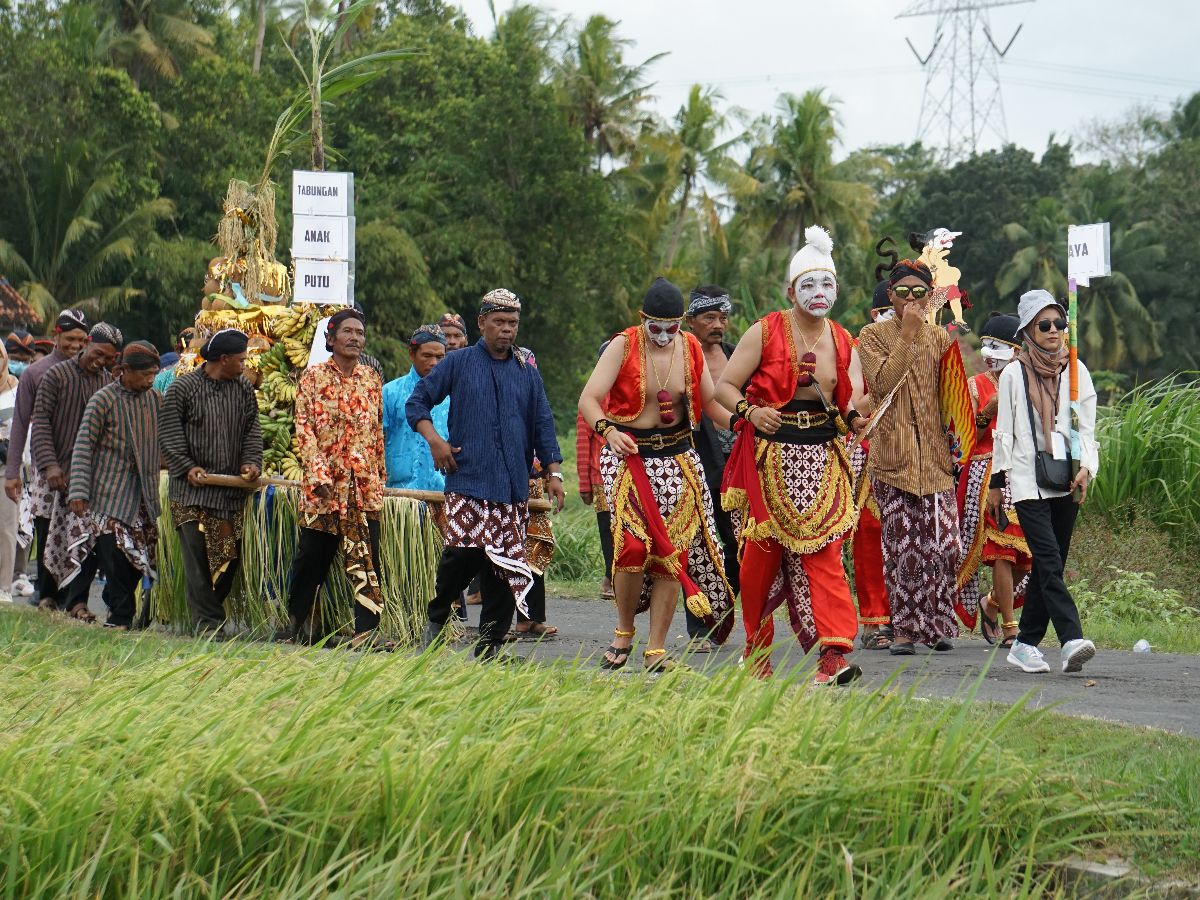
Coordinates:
(815, 255)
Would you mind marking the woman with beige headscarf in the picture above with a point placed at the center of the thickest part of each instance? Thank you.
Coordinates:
(1032, 456)
(9, 511)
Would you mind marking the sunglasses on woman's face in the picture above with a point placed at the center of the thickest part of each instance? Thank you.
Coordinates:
(918, 292)
(1059, 325)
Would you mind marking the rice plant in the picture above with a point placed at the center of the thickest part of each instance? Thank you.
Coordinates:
(248, 771)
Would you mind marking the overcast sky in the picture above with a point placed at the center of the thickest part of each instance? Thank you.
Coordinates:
(1074, 60)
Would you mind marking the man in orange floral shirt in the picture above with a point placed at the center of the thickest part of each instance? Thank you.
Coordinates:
(339, 429)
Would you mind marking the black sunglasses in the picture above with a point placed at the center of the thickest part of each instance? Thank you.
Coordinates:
(1059, 325)
(903, 290)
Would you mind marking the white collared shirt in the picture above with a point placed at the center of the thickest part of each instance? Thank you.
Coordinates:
(1015, 450)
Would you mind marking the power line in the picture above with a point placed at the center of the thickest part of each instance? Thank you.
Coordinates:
(1192, 83)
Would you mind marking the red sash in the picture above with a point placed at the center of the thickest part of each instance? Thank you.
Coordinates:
(660, 547)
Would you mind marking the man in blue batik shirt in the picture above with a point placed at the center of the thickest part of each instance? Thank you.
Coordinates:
(409, 463)
(499, 420)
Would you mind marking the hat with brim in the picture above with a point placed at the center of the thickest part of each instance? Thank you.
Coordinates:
(1032, 303)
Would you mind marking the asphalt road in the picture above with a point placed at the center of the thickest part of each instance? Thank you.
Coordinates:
(1157, 690)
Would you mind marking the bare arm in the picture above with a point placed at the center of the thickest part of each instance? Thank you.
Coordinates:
(591, 401)
(745, 360)
(712, 407)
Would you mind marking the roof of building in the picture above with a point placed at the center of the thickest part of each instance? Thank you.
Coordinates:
(15, 309)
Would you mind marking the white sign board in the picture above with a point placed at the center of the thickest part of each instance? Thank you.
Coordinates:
(1088, 252)
(322, 193)
(322, 281)
(323, 237)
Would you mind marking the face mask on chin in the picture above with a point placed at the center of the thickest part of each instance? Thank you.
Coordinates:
(662, 333)
(885, 315)
(16, 367)
(816, 294)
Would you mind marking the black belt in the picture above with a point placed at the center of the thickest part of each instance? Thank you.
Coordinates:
(659, 442)
(804, 422)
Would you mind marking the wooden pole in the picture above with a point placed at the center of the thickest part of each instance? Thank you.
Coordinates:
(236, 481)
(1073, 369)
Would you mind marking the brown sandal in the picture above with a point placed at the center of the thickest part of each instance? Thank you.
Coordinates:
(535, 631)
(82, 613)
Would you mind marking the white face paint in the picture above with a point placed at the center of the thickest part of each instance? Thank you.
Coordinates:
(885, 315)
(996, 354)
(816, 292)
(662, 333)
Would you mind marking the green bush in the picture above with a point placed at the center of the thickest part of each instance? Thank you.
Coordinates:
(1132, 598)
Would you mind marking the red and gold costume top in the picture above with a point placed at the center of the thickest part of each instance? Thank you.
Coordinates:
(774, 381)
(627, 398)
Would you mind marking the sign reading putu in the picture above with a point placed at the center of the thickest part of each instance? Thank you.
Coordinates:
(1088, 254)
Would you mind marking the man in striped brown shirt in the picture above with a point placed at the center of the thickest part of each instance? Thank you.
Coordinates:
(62, 396)
(209, 423)
(114, 484)
(910, 464)
(70, 337)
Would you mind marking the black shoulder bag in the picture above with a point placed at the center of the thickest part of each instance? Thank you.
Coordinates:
(1052, 474)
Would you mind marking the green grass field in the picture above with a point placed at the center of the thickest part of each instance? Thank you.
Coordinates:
(152, 767)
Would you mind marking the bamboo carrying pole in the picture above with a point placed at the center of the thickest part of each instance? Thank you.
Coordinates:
(236, 481)
(1073, 369)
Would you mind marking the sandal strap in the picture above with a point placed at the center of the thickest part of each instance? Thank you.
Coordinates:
(619, 633)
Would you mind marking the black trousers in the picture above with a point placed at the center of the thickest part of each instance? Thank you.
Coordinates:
(314, 556)
(536, 601)
(45, 584)
(81, 585)
(604, 524)
(206, 601)
(455, 571)
(122, 580)
(1048, 525)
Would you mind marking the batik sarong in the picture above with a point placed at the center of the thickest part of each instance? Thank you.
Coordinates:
(983, 543)
(807, 493)
(684, 502)
(499, 530)
(539, 533)
(920, 561)
(355, 533)
(222, 532)
(72, 539)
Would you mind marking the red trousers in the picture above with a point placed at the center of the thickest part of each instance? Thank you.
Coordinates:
(867, 551)
(819, 603)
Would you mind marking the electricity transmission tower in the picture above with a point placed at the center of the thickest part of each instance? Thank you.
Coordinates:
(961, 106)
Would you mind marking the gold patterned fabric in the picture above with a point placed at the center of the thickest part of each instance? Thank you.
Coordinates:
(222, 534)
(351, 527)
(539, 532)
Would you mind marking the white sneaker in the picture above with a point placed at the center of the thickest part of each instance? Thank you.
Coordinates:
(1027, 658)
(1075, 653)
(5, 597)
(22, 586)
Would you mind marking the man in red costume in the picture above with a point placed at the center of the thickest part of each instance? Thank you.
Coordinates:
(645, 398)
(788, 482)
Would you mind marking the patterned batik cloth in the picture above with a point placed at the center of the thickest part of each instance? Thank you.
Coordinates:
(41, 497)
(920, 560)
(971, 535)
(539, 533)
(222, 532)
(866, 548)
(351, 526)
(809, 494)
(686, 507)
(72, 538)
(499, 530)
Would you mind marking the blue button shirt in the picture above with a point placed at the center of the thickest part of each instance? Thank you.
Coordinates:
(499, 416)
(409, 463)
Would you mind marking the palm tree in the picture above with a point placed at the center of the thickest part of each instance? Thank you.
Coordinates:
(145, 37)
(604, 95)
(73, 247)
(794, 181)
(1115, 328)
(1040, 255)
(693, 153)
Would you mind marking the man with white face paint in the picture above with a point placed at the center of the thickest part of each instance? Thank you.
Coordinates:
(986, 541)
(788, 481)
(645, 398)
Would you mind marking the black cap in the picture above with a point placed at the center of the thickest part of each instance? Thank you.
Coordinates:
(1001, 327)
(663, 300)
(880, 298)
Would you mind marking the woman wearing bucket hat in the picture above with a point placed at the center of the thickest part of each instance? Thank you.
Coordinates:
(1032, 456)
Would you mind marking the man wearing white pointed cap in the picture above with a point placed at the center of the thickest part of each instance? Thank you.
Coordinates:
(1032, 456)
(788, 481)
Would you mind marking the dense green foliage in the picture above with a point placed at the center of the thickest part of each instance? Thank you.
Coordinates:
(530, 157)
(253, 771)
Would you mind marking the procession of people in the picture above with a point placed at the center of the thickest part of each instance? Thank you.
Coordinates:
(724, 477)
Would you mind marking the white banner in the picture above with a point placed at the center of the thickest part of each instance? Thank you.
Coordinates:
(323, 281)
(323, 237)
(1088, 252)
(322, 193)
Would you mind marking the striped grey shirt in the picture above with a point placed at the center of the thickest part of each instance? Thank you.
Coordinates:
(115, 463)
(62, 395)
(214, 425)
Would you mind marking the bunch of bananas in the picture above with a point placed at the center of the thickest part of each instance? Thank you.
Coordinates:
(278, 388)
(281, 451)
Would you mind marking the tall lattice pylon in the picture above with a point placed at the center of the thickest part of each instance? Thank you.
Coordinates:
(962, 107)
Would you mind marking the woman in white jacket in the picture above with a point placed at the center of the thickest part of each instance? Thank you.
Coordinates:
(1032, 456)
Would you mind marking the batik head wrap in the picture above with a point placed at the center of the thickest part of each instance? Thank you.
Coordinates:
(104, 333)
(70, 320)
(426, 334)
(709, 299)
(499, 300)
(452, 320)
(906, 267)
(139, 356)
(20, 341)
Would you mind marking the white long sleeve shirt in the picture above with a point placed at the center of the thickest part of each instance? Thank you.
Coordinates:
(1016, 446)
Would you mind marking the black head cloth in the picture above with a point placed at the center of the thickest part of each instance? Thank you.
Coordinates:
(663, 301)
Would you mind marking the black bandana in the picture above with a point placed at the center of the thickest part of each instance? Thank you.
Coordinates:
(662, 301)
(913, 267)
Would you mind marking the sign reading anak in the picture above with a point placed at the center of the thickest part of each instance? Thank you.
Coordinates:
(323, 237)
(1088, 252)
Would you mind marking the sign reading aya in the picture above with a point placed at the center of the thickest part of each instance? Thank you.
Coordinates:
(1088, 252)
